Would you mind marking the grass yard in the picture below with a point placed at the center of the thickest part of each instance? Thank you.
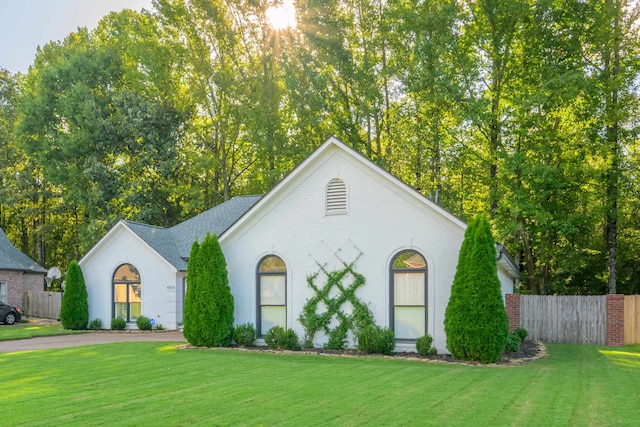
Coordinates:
(156, 384)
(25, 330)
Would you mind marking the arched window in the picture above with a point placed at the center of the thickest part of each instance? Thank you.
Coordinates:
(127, 293)
(336, 197)
(408, 295)
(271, 294)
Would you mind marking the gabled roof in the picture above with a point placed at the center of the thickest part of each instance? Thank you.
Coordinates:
(12, 259)
(174, 244)
(215, 221)
(330, 145)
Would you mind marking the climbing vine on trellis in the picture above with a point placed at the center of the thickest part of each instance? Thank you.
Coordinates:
(343, 284)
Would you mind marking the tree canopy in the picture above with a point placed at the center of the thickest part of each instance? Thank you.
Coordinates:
(526, 110)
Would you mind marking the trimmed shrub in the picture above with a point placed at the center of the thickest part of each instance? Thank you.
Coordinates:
(338, 337)
(159, 327)
(143, 323)
(279, 338)
(209, 309)
(521, 333)
(513, 343)
(245, 335)
(425, 347)
(376, 340)
(118, 323)
(476, 320)
(95, 324)
(74, 311)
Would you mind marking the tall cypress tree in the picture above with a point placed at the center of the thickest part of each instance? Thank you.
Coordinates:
(190, 304)
(476, 319)
(224, 303)
(74, 311)
(209, 304)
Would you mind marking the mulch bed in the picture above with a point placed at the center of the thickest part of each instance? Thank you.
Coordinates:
(529, 351)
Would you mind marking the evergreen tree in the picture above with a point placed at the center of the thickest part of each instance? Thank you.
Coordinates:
(209, 316)
(190, 301)
(476, 320)
(74, 312)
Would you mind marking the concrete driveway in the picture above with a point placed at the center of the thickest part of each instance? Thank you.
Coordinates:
(90, 338)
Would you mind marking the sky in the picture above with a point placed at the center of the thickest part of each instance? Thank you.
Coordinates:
(27, 24)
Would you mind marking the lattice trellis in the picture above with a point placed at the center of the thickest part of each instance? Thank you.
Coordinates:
(335, 308)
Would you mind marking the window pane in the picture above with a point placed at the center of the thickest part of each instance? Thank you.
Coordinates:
(408, 288)
(121, 310)
(135, 308)
(409, 259)
(272, 264)
(272, 290)
(409, 322)
(120, 294)
(135, 293)
(272, 316)
(127, 273)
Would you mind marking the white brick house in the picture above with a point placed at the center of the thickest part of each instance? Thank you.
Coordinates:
(335, 207)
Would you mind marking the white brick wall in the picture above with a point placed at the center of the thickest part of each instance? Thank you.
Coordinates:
(160, 285)
(382, 221)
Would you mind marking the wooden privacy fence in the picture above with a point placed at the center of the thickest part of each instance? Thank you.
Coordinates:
(602, 320)
(565, 319)
(632, 319)
(41, 304)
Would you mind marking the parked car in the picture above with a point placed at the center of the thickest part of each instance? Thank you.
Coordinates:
(9, 315)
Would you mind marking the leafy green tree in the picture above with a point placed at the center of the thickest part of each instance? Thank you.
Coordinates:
(74, 311)
(476, 321)
(209, 317)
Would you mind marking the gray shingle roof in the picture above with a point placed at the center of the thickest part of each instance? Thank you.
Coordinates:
(12, 259)
(174, 244)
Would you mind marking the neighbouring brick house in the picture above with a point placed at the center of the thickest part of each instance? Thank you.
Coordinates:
(18, 273)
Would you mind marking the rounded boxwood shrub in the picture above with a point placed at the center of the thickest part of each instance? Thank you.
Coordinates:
(425, 347)
(244, 335)
(95, 324)
(118, 323)
(143, 323)
(376, 340)
(521, 332)
(279, 338)
(513, 343)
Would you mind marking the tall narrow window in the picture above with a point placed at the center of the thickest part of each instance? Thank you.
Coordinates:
(4, 292)
(336, 197)
(409, 295)
(127, 293)
(272, 294)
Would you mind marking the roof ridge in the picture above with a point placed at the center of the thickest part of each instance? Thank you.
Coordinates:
(144, 224)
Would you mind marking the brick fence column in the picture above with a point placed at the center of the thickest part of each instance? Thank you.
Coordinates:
(615, 320)
(513, 310)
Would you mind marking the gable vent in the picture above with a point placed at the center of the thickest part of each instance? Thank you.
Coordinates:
(336, 201)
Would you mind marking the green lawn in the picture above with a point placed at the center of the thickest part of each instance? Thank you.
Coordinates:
(25, 330)
(156, 384)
